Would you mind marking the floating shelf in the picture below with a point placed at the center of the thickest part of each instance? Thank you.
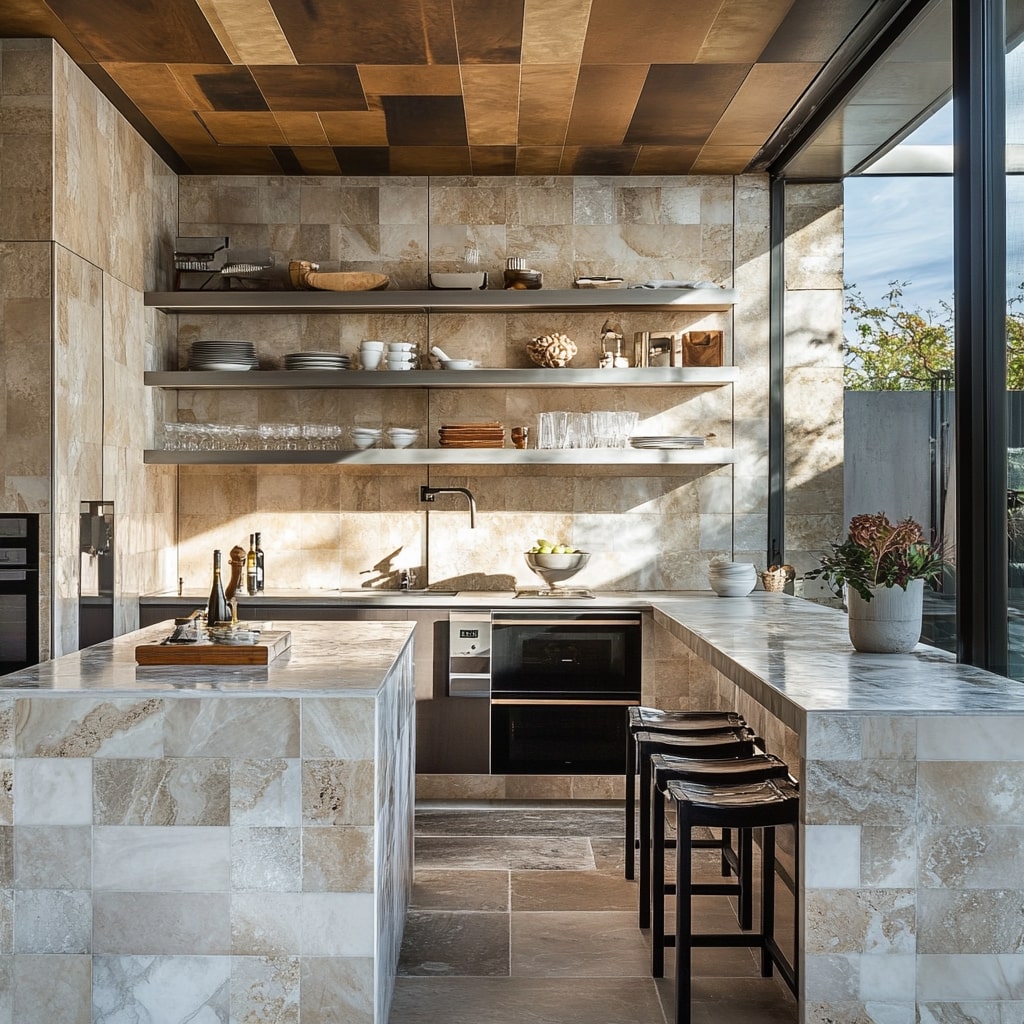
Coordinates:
(619, 457)
(490, 301)
(656, 376)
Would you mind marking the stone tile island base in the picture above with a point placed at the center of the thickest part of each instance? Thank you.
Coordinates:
(207, 844)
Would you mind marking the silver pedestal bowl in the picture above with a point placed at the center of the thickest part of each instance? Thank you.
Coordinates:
(555, 569)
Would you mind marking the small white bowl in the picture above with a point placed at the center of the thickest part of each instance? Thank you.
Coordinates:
(371, 346)
(458, 364)
(401, 346)
(402, 437)
(476, 279)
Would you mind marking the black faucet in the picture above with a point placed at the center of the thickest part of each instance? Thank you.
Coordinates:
(429, 493)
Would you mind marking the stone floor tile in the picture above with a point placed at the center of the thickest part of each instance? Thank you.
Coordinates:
(438, 943)
(461, 890)
(555, 853)
(571, 890)
(574, 944)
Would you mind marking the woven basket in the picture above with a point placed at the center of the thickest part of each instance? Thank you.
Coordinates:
(775, 577)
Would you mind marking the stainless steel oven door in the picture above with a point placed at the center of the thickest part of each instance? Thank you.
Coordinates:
(560, 655)
(558, 737)
(19, 618)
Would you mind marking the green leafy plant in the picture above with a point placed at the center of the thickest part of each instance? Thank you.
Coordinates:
(879, 553)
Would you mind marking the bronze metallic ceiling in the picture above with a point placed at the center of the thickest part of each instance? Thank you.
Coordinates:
(450, 87)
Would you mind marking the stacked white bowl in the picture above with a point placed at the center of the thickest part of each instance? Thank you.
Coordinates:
(370, 354)
(402, 437)
(401, 355)
(365, 437)
(731, 579)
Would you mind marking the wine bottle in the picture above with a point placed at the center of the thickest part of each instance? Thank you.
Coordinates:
(217, 609)
(259, 566)
(250, 566)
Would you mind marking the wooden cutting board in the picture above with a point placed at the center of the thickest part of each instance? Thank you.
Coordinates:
(272, 644)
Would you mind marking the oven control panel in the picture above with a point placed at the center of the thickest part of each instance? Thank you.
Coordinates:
(469, 654)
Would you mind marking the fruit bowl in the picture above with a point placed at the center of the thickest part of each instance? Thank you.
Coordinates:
(562, 568)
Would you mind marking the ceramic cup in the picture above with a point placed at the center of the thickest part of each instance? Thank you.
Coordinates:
(370, 358)
(371, 346)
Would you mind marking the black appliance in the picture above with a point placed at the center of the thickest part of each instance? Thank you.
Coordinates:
(19, 591)
(560, 684)
(96, 573)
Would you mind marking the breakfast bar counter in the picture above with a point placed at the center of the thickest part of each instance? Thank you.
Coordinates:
(912, 820)
(222, 843)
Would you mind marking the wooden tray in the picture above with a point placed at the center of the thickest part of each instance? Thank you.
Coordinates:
(272, 644)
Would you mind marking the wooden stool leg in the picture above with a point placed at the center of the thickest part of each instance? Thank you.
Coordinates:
(644, 796)
(684, 920)
(630, 803)
(767, 899)
(745, 912)
(657, 884)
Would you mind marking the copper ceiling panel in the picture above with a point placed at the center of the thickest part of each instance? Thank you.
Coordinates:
(612, 160)
(368, 31)
(153, 87)
(489, 31)
(302, 128)
(231, 88)
(355, 128)
(761, 102)
(813, 30)
(647, 31)
(323, 87)
(407, 80)
(538, 159)
(554, 31)
(491, 101)
(167, 31)
(665, 159)
(723, 159)
(248, 30)
(605, 100)
(425, 120)
(417, 160)
(318, 161)
(230, 128)
(489, 161)
(681, 103)
(545, 102)
(741, 30)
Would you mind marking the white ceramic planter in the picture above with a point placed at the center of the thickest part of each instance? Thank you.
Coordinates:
(890, 623)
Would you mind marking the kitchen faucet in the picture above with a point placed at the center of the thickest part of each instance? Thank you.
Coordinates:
(429, 493)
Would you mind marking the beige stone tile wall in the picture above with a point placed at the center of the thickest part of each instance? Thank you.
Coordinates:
(650, 530)
(813, 371)
(103, 206)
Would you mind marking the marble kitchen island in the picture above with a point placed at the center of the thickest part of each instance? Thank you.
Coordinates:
(912, 817)
(207, 843)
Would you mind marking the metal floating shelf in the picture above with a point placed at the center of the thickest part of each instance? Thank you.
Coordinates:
(618, 457)
(489, 301)
(656, 376)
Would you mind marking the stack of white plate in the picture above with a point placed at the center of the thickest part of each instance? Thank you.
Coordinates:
(223, 355)
(667, 441)
(731, 579)
(315, 361)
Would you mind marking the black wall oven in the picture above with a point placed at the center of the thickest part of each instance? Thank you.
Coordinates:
(560, 685)
(19, 591)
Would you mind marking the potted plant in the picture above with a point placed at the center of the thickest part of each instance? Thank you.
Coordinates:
(883, 567)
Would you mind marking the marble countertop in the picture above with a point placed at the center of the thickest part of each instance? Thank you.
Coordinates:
(795, 657)
(325, 658)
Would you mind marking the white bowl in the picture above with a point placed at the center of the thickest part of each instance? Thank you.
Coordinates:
(458, 364)
(477, 279)
(371, 346)
(402, 438)
(370, 359)
(401, 346)
(731, 589)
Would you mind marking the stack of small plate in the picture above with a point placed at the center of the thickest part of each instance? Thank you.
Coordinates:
(680, 441)
(223, 355)
(315, 361)
(731, 579)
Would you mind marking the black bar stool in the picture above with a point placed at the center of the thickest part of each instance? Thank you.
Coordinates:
(709, 772)
(656, 720)
(763, 805)
(737, 742)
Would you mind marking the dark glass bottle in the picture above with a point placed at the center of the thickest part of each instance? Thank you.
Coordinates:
(217, 609)
(259, 566)
(251, 575)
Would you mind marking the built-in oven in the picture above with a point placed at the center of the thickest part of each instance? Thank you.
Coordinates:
(19, 591)
(560, 685)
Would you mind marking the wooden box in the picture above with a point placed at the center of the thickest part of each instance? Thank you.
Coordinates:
(702, 348)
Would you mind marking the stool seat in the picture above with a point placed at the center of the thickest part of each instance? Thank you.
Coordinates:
(714, 771)
(765, 804)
